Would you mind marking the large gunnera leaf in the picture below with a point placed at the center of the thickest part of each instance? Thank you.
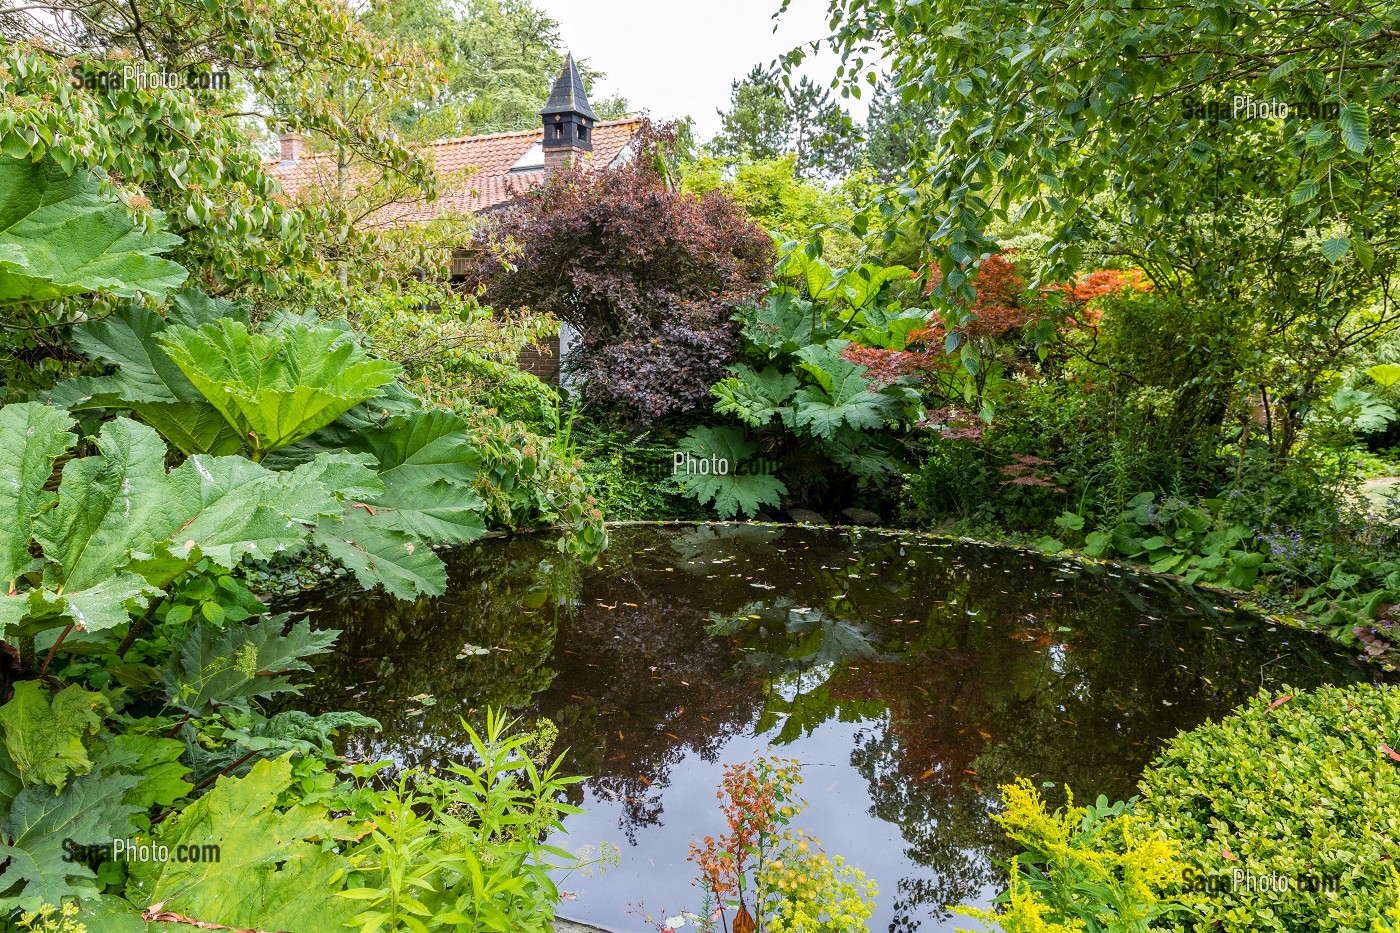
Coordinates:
(47, 738)
(39, 832)
(232, 667)
(714, 471)
(270, 866)
(755, 398)
(278, 388)
(31, 438)
(842, 395)
(147, 382)
(122, 528)
(427, 465)
(60, 235)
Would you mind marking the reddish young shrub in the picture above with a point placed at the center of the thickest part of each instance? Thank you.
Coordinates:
(648, 277)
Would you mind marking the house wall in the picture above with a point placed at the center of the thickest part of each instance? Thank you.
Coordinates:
(542, 361)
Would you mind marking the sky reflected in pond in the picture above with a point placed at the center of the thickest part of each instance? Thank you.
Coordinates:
(910, 676)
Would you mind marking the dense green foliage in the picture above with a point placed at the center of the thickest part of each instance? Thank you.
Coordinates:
(1299, 785)
(260, 436)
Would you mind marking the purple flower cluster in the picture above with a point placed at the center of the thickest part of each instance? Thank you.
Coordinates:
(1162, 511)
(1283, 545)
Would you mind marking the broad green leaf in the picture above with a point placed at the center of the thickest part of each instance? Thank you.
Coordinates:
(1355, 124)
(381, 556)
(147, 382)
(863, 285)
(106, 504)
(31, 438)
(40, 826)
(732, 491)
(241, 663)
(1334, 249)
(842, 396)
(47, 738)
(1303, 193)
(155, 761)
(427, 465)
(754, 398)
(276, 389)
(782, 324)
(1070, 521)
(1385, 374)
(271, 864)
(122, 528)
(59, 235)
(229, 507)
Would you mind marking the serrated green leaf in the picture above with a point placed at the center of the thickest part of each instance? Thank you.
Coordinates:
(1334, 249)
(1355, 124)
(107, 505)
(47, 738)
(241, 663)
(842, 395)
(275, 389)
(381, 556)
(147, 382)
(153, 760)
(90, 810)
(270, 861)
(427, 464)
(733, 491)
(31, 438)
(1303, 193)
(59, 235)
(754, 398)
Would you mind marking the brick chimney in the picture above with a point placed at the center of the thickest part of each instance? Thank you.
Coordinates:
(291, 146)
(568, 121)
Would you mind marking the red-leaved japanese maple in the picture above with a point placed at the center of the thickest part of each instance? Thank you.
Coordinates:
(647, 276)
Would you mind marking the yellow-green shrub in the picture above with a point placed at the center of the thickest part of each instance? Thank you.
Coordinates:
(1295, 785)
(1095, 867)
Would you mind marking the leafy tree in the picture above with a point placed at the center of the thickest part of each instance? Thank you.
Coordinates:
(186, 150)
(1119, 131)
(770, 116)
(894, 128)
(648, 276)
(499, 57)
(787, 206)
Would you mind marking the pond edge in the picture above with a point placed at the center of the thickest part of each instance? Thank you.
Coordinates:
(1242, 597)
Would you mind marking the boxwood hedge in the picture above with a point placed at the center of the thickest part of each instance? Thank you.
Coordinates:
(1287, 811)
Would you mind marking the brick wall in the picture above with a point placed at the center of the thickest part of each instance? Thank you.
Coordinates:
(543, 361)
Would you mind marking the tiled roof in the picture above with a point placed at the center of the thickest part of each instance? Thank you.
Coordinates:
(488, 159)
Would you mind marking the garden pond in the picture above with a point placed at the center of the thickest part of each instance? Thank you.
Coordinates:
(910, 676)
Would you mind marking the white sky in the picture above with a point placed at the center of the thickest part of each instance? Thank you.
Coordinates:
(675, 58)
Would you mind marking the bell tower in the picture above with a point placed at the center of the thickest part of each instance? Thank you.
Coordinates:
(568, 121)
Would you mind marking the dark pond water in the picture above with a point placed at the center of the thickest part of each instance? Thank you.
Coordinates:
(910, 677)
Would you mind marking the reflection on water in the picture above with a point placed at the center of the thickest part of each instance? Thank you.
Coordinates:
(910, 676)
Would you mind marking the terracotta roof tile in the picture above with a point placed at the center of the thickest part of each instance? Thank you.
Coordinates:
(488, 159)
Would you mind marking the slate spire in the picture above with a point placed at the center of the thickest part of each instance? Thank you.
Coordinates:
(569, 96)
